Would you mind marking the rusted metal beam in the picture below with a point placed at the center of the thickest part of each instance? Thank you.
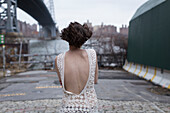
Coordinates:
(30, 55)
(33, 62)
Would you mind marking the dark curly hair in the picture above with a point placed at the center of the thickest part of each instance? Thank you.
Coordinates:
(76, 34)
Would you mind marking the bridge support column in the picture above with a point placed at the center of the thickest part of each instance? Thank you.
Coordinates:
(48, 31)
(8, 16)
(53, 31)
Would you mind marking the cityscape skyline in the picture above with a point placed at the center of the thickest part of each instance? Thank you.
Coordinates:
(31, 30)
(102, 11)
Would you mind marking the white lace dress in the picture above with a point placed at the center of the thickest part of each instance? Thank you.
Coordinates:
(86, 101)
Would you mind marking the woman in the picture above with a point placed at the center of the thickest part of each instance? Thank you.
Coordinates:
(77, 71)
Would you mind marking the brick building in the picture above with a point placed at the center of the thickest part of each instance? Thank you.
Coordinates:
(104, 29)
(27, 30)
(124, 30)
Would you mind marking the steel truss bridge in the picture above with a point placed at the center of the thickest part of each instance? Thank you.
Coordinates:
(35, 8)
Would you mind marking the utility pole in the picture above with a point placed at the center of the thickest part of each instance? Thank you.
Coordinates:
(20, 52)
(3, 47)
(2, 41)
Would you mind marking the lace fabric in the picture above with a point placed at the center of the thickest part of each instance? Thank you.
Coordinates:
(86, 101)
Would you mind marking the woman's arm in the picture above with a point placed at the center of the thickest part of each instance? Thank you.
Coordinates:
(96, 72)
(58, 73)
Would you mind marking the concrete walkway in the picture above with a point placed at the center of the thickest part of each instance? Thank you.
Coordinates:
(105, 106)
(117, 91)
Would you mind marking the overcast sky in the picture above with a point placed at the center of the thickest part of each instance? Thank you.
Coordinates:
(114, 12)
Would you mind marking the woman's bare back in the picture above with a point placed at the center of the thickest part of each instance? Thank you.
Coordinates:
(76, 73)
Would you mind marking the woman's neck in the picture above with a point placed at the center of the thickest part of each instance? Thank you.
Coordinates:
(73, 48)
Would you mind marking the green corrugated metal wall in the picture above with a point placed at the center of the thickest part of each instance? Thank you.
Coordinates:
(149, 37)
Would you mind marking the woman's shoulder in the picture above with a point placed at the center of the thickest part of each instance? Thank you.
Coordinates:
(59, 55)
(91, 50)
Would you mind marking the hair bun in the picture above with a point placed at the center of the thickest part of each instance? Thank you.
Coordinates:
(88, 33)
(76, 34)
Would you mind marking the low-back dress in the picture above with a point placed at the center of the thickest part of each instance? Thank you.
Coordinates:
(86, 101)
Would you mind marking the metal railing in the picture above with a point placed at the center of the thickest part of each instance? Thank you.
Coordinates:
(34, 62)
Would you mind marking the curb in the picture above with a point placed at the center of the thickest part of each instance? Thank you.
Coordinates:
(152, 74)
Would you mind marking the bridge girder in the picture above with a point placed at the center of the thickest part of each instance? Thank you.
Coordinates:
(35, 8)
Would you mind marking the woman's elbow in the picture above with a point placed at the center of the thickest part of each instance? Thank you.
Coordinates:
(95, 82)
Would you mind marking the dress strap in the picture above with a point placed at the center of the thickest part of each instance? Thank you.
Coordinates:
(62, 74)
(60, 64)
(93, 64)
